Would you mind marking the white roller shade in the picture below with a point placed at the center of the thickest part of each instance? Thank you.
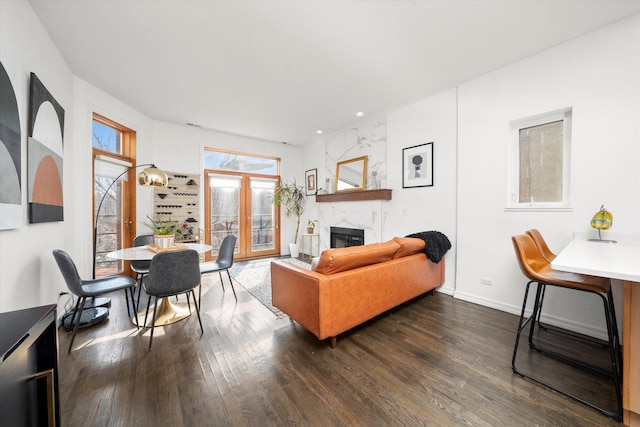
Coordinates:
(111, 168)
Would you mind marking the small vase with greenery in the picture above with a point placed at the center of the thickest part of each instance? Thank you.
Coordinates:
(311, 225)
(164, 231)
(293, 200)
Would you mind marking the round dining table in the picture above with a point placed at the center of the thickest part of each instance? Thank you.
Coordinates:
(168, 311)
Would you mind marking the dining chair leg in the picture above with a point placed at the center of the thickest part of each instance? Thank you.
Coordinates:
(139, 280)
(135, 312)
(232, 287)
(75, 321)
(153, 322)
(147, 312)
(197, 311)
(221, 281)
(126, 298)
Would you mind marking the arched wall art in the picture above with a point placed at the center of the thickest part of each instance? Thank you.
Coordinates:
(44, 154)
(10, 146)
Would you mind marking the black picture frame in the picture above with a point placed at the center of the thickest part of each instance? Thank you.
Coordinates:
(311, 182)
(417, 166)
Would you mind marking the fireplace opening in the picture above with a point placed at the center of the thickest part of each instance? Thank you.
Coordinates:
(345, 237)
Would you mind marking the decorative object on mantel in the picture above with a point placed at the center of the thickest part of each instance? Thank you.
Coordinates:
(311, 225)
(375, 183)
(293, 199)
(602, 220)
(310, 179)
(417, 166)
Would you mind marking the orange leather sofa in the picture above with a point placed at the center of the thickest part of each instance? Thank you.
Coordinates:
(352, 285)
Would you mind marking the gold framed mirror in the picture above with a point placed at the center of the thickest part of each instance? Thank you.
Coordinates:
(351, 175)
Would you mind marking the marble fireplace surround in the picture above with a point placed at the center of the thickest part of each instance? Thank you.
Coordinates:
(369, 139)
(369, 215)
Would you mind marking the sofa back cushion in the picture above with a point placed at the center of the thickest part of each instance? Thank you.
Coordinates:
(408, 246)
(341, 259)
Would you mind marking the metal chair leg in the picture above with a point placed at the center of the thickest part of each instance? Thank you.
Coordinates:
(76, 321)
(232, 287)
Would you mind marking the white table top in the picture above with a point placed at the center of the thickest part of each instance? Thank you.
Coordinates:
(142, 253)
(614, 260)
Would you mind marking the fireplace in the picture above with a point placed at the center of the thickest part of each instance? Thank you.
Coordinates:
(345, 237)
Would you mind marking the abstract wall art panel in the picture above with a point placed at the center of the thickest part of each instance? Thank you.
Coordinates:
(10, 145)
(45, 183)
(44, 155)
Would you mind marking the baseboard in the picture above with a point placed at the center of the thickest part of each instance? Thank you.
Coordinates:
(559, 322)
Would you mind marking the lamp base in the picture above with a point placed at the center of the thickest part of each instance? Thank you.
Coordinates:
(602, 240)
(93, 312)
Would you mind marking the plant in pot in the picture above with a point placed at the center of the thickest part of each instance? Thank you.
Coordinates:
(311, 225)
(293, 200)
(164, 231)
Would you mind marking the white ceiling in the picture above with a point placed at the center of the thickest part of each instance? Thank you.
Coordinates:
(280, 70)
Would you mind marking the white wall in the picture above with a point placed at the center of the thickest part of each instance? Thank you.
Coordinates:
(425, 208)
(179, 148)
(28, 274)
(598, 75)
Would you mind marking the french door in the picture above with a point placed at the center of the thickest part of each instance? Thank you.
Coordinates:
(240, 204)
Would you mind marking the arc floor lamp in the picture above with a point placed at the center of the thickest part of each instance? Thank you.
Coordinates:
(151, 176)
(97, 310)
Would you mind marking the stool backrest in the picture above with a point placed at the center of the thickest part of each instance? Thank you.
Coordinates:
(529, 257)
(541, 244)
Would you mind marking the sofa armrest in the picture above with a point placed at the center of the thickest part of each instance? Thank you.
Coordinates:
(296, 291)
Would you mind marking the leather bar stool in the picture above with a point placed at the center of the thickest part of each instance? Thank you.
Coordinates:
(538, 270)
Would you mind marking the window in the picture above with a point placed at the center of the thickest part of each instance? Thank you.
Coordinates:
(113, 154)
(540, 162)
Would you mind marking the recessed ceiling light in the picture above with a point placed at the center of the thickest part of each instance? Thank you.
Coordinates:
(319, 132)
(359, 114)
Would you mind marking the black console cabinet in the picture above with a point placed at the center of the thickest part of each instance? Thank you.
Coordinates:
(29, 367)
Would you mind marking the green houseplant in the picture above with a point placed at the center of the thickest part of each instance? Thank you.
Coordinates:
(293, 200)
(164, 231)
(311, 225)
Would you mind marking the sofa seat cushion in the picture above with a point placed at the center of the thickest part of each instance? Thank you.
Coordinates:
(408, 246)
(341, 259)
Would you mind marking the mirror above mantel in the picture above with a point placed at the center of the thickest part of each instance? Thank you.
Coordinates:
(351, 175)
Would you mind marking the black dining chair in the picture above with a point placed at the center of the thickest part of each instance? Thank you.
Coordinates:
(92, 288)
(223, 262)
(141, 267)
(172, 273)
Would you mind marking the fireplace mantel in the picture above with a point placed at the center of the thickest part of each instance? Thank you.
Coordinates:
(351, 196)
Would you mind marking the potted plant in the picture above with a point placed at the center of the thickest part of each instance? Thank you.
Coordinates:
(311, 225)
(292, 198)
(164, 231)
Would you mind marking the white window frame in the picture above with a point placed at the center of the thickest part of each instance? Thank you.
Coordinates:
(513, 193)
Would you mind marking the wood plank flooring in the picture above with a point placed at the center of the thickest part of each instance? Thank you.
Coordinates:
(434, 361)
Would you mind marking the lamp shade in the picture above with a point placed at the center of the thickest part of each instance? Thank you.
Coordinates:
(153, 177)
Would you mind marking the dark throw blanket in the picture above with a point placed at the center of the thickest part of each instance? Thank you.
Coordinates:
(436, 244)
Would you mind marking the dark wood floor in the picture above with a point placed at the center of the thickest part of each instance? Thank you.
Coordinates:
(435, 361)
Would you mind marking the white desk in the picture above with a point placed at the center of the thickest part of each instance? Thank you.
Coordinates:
(168, 312)
(617, 261)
